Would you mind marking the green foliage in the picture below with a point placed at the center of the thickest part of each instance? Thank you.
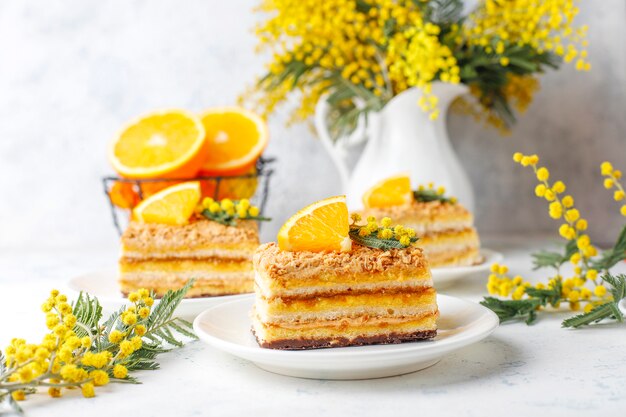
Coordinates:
(230, 220)
(348, 102)
(525, 309)
(599, 313)
(441, 12)
(611, 257)
(508, 310)
(88, 312)
(372, 241)
(429, 194)
(549, 259)
(483, 69)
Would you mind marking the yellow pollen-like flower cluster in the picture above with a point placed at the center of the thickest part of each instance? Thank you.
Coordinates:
(572, 290)
(544, 25)
(561, 207)
(241, 209)
(68, 357)
(612, 180)
(384, 230)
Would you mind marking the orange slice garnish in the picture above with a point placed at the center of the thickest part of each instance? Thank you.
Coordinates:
(173, 205)
(160, 144)
(322, 226)
(392, 191)
(235, 139)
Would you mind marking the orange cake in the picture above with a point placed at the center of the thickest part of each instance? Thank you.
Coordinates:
(174, 237)
(444, 227)
(446, 230)
(330, 298)
(163, 257)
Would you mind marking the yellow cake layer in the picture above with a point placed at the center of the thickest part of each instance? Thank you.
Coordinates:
(218, 285)
(185, 265)
(341, 329)
(346, 303)
(217, 250)
(328, 282)
(467, 237)
(460, 258)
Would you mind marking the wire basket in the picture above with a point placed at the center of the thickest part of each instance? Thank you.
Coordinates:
(217, 187)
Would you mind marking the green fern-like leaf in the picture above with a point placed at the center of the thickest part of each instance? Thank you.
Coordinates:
(88, 312)
(513, 309)
(372, 241)
(602, 312)
(613, 256)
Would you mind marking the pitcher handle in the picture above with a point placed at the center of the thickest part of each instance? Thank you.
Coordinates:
(338, 150)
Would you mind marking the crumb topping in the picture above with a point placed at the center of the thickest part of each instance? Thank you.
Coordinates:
(277, 263)
(195, 234)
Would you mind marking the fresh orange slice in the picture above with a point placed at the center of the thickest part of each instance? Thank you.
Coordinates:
(160, 144)
(235, 138)
(322, 226)
(393, 191)
(174, 205)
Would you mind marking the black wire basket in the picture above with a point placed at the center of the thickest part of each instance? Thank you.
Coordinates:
(217, 187)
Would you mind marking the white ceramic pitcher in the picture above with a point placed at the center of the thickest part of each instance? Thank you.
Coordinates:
(400, 139)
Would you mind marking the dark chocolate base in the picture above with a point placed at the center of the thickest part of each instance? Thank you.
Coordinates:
(391, 338)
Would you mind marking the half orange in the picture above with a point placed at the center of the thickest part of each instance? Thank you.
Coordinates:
(322, 226)
(235, 139)
(160, 144)
(392, 191)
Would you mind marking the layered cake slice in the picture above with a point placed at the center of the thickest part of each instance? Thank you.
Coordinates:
(163, 257)
(174, 238)
(445, 228)
(375, 290)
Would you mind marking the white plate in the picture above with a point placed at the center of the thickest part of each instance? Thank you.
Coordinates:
(461, 323)
(444, 277)
(103, 285)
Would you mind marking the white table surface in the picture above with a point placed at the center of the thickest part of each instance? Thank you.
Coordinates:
(537, 370)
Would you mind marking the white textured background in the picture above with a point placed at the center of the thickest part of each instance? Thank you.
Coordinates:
(73, 71)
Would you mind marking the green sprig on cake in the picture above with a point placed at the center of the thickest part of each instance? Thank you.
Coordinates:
(383, 236)
(426, 194)
(228, 212)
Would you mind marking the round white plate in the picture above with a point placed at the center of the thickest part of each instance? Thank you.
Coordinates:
(103, 285)
(461, 323)
(444, 277)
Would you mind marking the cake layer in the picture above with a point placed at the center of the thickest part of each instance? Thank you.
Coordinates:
(426, 217)
(198, 239)
(286, 270)
(327, 284)
(205, 285)
(445, 241)
(181, 266)
(369, 305)
(342, 333)
(466, 257)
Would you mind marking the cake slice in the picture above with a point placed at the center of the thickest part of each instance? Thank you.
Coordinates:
(365, 296)
(445, 229)
(174, 238)
(162, 257)
(361, 295)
